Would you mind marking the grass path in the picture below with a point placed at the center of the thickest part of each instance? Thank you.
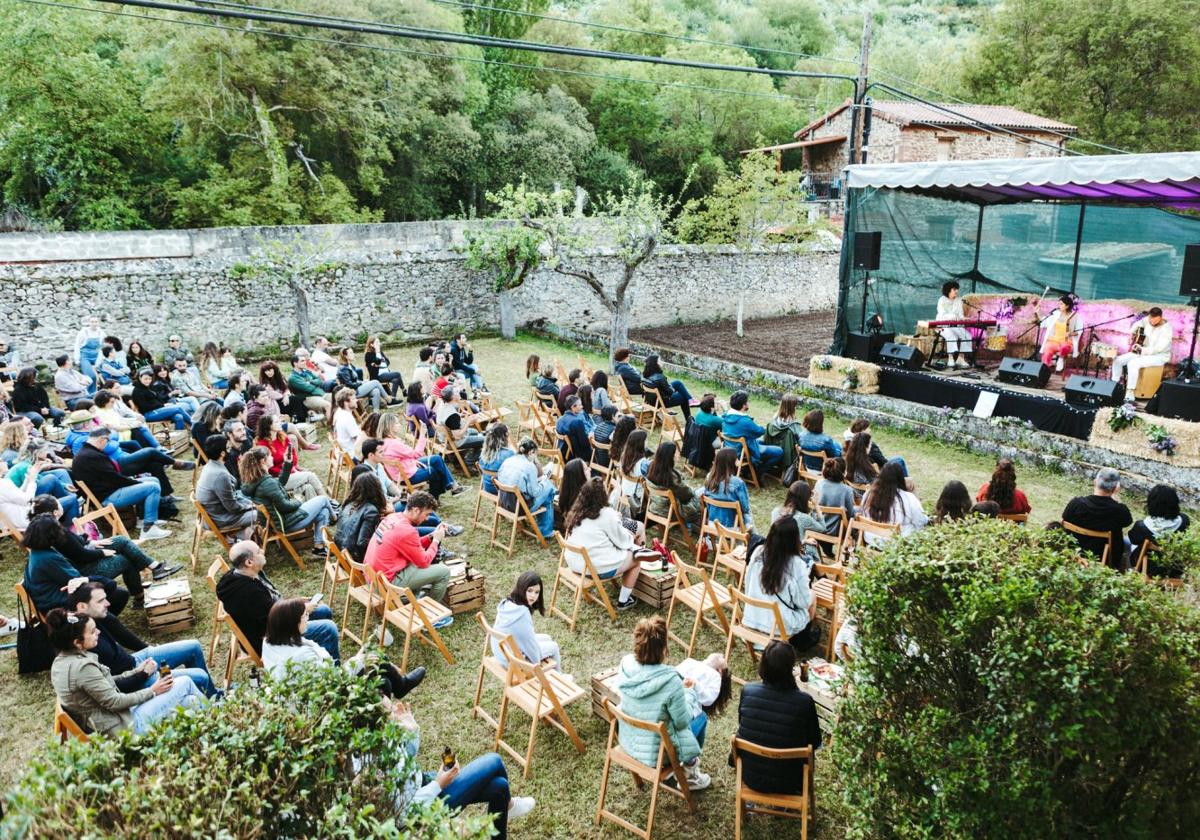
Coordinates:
(565, 783)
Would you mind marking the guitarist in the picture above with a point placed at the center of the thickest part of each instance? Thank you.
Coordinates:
(1150, 347)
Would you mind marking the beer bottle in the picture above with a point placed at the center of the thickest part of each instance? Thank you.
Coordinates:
(448, 759)
(255, 679)
(164, 670)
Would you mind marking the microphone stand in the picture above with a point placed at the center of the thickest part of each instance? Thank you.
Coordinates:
(1037, 311)
(1091, 330)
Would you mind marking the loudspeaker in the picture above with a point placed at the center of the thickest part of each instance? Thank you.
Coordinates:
(1090, 391)
(1028, 372)
(1179, 399)
(1189, 283)
(866, 249)
(901, 356)
(865, 346)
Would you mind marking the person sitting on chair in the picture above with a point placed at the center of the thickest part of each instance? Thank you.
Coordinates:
(284, 513)
(1154, 350)
(1163, 518)
(523, 472)
(71, 385)
(671, 393)
(1002, 489)
(574, 380)
(737, 423)
(1101, 511)
(814, 439)
(403, 556)
(957, 339)
(592, 524)
(572, 426)
(628, 373)
(514, 617)
(1063, 328)
(217, 492)
(778, 571)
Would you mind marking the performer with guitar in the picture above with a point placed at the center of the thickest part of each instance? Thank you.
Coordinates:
(1150, 347)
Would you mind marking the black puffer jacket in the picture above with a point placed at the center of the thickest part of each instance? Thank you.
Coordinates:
(778, 719)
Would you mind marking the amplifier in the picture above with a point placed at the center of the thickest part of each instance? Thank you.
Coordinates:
(901, 356)
(1180, 399)
(1028, 372)
(865, 346)
(1090, 391)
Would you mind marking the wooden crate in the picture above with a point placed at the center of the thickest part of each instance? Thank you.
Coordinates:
(655, 588)
(604, 684)
(467, 588)
(169, 606)
(824, 698)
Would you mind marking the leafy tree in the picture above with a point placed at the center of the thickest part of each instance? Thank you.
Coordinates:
(781, 25)
(292, 265)
(1124, 72)
(1005, 687)
(544, 138)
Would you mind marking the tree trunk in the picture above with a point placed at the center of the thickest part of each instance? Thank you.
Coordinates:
(302, 322)
(508, 316)
(741, 308)
(272, 146)
(619, 334)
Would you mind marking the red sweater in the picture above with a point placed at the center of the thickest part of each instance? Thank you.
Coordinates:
(396, 544)
(278, 449)
(1020, 503)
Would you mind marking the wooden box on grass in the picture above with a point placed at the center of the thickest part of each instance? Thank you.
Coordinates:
(823, 686)
(169, 606)
(466, 593)
(604, 684)
(656, 588)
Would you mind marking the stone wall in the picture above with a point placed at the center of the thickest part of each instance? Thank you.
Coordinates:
(404, 279)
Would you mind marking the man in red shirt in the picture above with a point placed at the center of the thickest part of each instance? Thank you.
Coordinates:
(403, 556)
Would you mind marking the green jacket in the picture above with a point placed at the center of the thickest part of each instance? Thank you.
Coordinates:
(269, 492)
(654, 692)
(785, 436)
(88, 689)
(305, 383)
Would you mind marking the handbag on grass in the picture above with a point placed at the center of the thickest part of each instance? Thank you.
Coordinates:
(34, 651)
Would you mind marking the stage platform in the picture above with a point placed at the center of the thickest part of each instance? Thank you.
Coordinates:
(1047, 409)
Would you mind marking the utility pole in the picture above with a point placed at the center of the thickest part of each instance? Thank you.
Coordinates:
(860, 92)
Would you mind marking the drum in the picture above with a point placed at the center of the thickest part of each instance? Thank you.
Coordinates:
(996, 342)
(1104, 351)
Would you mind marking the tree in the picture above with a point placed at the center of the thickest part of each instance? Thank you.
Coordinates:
(292, 264)
(507, 249)
(1005, 687)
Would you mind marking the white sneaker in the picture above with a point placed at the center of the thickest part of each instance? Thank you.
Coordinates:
(388, 638)
(10, 627)
(695, 779)
(519, 806)
(153, 533)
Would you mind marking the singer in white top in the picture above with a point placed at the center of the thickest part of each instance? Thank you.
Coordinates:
(958, 340)
(1154, 349)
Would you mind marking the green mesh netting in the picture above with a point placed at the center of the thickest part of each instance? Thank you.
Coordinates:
(1126, 252)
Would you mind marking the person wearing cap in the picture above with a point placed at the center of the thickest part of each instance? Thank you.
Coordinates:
(93, 466)
(129, 455)
(71, 385)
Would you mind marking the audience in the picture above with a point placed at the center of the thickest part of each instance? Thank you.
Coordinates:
(1163, 518)
(573, 427)
(468, 440)
(737, 425)
(497, 448)
(155, 400)
(776, 714)
(416, 410)
(672, 393)
(272, 437)
(574, 380)
(953, 504)
(600, 398)
(462, 359)
(602, 432)
(628, 491)
(778, 571)
(889, 502)
(514, 617)
(1101, 511)
(814, 439)
(71, 385)
(724, 485)
(860, 467)
(707, 414)
(1002, 489)
(403, 556)
(575, 474)
(596, 527)
(94, 466)
(411, 460)
(48, 575)
(652, 690)
(832, 491)
(876, 455)
(785, 430)
(308, 386)
(661, 475)
(630, 378)
(533, 370)
(798, 505)
(546, 384)
(29, 398)
(218, 364)
(345, 426)
(362, 509)
(522, 472)
(348, 376)
(379, 368)
(284, 514)
(218, 493)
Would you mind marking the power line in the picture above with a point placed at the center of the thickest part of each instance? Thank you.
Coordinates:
(424, 53)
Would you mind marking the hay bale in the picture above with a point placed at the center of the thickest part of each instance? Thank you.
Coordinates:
(834, 371)
(1133, 440)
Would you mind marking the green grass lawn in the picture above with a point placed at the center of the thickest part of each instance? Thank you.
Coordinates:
(565, 783)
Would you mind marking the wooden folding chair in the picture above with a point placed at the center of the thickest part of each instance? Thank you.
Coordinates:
(826, 511)
(642, 414)
(861, 529)
(489, 664)
(268, 534)
(753, 639)
(27, 602)
(566, 451)
(708, 525)
(336, 569)
(203, 525)
(240, 649)
(555, 462)
(412, 616)
(672, 519)
(672, 431)
(522, 519)
(8, 529)
(837, 617)
(391, 465)
(583, 365)
(362, 590)
(1089, 533)
(548, 406)
(65, 725)
(811, 476)
(653, 401)
(1141, 563)
(731, 552)
(560, 372)
(582, 583)
(107, 520)
(541, 693)
(492, 499)
(797, 806)
(451, 450)
(218, 566)
(340, 467)
(201, 460)
(666, 764)
(596, 467)
(695, 590)
(529, 422)
(745, 463)
(90, 502)
(1019, 518)
(547, 426)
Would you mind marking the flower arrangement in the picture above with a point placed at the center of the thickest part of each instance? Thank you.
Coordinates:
(953, 415)
(1012, 423)
(823, 363)
(1161, 440)
(1124, 417)
(850, 383)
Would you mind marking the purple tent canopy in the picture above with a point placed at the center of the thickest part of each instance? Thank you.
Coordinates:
(1163, 180)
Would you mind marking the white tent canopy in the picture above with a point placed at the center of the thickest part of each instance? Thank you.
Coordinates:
(1166, 180)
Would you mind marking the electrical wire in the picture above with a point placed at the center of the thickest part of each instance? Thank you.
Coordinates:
(424, 53)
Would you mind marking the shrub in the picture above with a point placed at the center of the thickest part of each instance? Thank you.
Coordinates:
(1006, 689)
(321, 759)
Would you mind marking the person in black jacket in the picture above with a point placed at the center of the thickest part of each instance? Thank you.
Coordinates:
(95, 469)
(672, 393)
(379, 368)
(184, 657)
(776, 714)
(462, 358)
(627, 372)
(571, 426)
(30, 399)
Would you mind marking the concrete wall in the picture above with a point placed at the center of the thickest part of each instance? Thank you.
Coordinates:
(405, 279)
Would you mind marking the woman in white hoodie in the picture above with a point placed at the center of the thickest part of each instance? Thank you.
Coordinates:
(514, 616)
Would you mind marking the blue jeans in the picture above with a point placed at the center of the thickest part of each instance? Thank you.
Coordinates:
(768, 456)
(58, 483)
(322, 629)
(434, 470)
(900, 461)
(37, 418)
(171, 412)
(680, 398)
(472, 373)
(318, 511)
(183, 693)
(483, 780)
(142, 435)
(185, 657)
(88, 355)
(699, 727)
(146, 491)
(219, 384)
(374, 389)
(545, 519)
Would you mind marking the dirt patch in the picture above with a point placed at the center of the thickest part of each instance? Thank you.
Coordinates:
(783, 344)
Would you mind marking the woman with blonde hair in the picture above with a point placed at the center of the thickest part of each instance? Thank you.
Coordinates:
(218, 364)
(785, 430)
(417, 467)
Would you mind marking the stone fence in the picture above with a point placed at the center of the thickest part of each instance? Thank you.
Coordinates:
(404, 280)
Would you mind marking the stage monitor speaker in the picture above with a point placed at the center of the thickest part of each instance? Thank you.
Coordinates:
(901, 356)
(865, 346)
(1090, 391)
(866, 249)
(1179, 399)
(1189, 283)
(1028, 372)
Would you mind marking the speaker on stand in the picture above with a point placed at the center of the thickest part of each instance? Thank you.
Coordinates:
(866, 258)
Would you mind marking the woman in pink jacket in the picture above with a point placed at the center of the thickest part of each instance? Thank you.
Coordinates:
(416, 466)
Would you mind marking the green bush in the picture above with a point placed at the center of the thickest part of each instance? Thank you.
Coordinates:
(1007, 689)
(267, 763)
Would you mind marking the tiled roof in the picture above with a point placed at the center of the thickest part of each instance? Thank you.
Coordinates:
(1001, 116)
